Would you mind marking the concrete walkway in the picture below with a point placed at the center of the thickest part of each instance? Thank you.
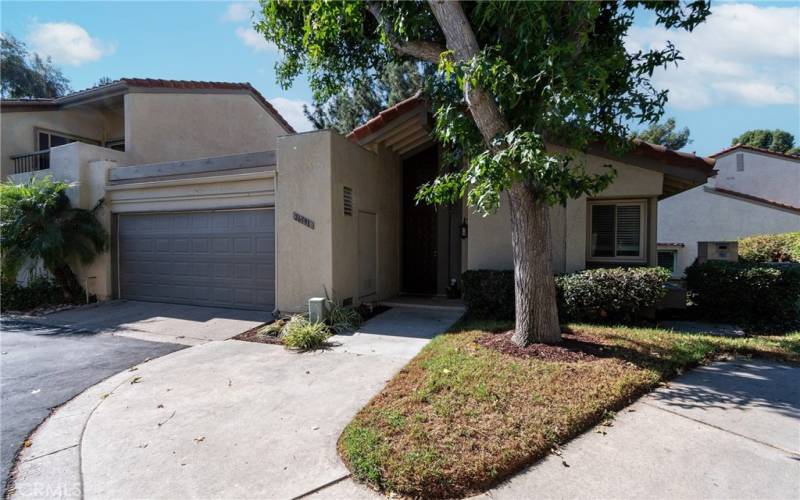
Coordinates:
(728, 430)
(223, 419)
(158, 322)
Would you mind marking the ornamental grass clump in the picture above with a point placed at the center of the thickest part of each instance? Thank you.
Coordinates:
(302, 335)
(342, 319)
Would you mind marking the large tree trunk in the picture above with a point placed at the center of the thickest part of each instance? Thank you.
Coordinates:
(534, 286)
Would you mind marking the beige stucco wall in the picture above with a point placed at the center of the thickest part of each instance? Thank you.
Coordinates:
(489, 242)
(19, 129)
(375, 180)
(172, 126)
(304, 262)
(313, 169)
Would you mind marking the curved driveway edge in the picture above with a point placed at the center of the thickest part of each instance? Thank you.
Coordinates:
(50, 466)
(222, 419)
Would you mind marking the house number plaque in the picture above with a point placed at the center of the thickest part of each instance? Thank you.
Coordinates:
(303, 220)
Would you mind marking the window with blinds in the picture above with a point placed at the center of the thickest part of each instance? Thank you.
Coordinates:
(617, 230)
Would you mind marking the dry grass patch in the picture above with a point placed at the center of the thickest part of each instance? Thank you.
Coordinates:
(461, 416)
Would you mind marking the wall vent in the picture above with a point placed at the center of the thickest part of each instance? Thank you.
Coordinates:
(348, 201)
(740, 162)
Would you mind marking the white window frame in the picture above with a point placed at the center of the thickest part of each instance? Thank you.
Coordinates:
(643, 219)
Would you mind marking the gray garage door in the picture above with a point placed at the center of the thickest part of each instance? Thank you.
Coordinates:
(220, 259)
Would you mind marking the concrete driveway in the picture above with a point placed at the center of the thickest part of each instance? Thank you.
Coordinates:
(182, 324)
(43, 367)
(223, 419)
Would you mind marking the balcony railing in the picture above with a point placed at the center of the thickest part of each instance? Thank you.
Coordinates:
(31, 162)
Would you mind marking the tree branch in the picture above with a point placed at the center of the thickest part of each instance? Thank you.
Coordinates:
(420, 49)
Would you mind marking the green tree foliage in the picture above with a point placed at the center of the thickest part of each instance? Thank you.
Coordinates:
(27, 75)
(369, 96)
(665, 135)
(37, 222)
(776, 140)
(517, 75)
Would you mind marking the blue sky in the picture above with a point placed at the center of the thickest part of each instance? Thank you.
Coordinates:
(742, 68)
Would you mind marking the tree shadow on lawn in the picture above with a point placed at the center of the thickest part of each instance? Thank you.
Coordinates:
(740, 384)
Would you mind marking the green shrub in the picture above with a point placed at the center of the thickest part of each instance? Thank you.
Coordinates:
(342, 319)
(759, 295)
(488, 293)
(770, 248)
(615, 294)
(40, 291)
(303, 335)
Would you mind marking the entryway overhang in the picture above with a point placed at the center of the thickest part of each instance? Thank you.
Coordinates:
(404, 128)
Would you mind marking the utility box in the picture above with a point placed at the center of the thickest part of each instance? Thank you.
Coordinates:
(717, 250)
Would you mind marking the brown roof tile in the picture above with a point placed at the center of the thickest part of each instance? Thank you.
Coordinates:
(157, 83)
(757, 199)
(386, 116)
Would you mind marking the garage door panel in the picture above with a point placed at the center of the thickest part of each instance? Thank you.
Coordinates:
(223, 259)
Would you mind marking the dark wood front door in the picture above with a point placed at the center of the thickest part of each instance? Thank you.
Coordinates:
(419, 226)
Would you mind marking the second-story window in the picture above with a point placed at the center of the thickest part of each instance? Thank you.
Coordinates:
(48, 140)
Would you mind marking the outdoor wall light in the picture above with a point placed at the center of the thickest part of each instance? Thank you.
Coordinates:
(464, 227)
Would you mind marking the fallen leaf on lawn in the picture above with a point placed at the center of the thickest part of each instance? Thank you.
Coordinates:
(136, 380)
(199, 439)
(27, 443)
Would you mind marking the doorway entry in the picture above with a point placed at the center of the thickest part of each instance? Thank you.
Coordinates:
(420, 252)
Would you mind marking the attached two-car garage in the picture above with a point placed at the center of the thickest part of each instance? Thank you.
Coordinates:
(223, 258)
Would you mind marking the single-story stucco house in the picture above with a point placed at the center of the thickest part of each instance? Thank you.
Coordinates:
(212, 199)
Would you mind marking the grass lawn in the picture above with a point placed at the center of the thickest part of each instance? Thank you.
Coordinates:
(460, 416)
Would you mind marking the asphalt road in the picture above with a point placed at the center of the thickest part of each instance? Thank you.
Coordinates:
(42, 367)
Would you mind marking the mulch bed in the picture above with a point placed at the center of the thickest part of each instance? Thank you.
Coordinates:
(573, 348)
(252, 335)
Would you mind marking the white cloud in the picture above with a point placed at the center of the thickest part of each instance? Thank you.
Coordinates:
(743, 53)
(292, 111)
(239, 11)
(67, 43)
(254, 40)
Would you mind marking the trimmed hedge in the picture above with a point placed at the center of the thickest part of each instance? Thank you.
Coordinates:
(612, 295)
(759, 295)
(783, 247)
(615, 294)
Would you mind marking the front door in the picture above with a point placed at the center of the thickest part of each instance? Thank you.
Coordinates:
(419, 226)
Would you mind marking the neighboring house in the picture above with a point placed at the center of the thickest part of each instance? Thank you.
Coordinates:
(268, 218)
(755, 191)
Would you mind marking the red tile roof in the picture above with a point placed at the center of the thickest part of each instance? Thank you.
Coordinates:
(386, 116)
(653, 151)
(160, 84)
(757, 199)
(755, 149)
(675, 158)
